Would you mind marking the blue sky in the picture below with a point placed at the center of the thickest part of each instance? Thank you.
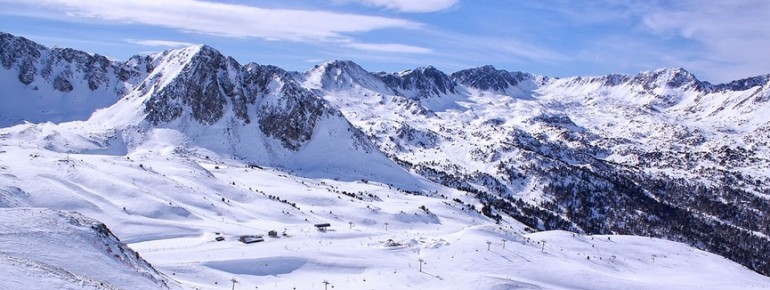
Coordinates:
(716, 40)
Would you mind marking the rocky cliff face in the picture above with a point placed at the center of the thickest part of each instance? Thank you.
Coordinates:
(205, 85)
(489, 78)
(211, 87)
(292, 118)
(200, 92)
(62, 68)
(57, 84)
(420, 83)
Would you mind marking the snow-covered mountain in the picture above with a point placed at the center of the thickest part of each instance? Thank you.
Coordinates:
(255, 113)
(175, 149)
(488, 78)
(659, 153)
(41, 84)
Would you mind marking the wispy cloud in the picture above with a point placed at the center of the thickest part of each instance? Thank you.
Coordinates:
(716, 40)
(408, 5)
(229, 20)
(460, 45)
(159, 43)
(732, 34)
(389, 47)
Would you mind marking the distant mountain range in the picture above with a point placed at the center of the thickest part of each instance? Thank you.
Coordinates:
(658, 154)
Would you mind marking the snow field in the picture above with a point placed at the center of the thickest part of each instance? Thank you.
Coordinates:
(177, 200)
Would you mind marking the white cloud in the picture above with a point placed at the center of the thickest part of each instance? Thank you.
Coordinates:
(164, 43)
(733, 35)
(388, 47)
(408, 5)
(719, 41)
(230, 20)
(470, 47)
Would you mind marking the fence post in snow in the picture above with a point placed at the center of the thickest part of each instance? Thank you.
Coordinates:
(421, 261)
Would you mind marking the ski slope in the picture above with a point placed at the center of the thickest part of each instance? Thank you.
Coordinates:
(168, 205)
(48, 249)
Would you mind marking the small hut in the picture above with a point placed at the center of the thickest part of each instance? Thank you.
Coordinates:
(322, 227)
(250, 239)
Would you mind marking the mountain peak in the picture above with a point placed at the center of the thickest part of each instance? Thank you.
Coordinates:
(419, 70)
(674, 70)
(745, 84)
(668, 77)
(187, 54)
(487, 77)
(339, 64)
(485, 68)
(197, 77)
(340, 74)
(420, 83)
(16, 51)
(203, 49)
(339, 67)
